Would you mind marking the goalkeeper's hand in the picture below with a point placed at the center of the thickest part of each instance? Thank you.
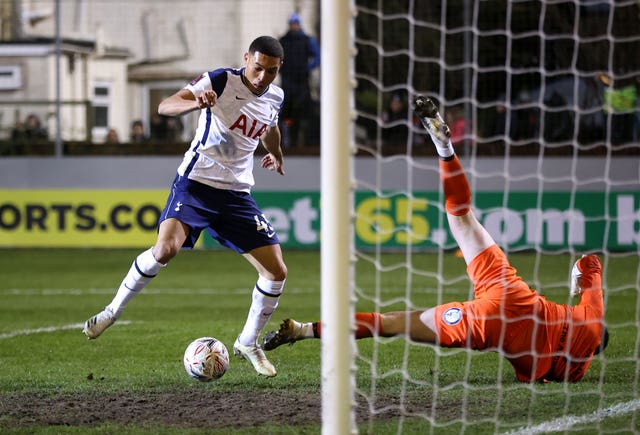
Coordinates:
(575, 286)
(584, 267)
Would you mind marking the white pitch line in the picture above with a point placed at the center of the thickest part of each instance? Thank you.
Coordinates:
(565, 423)
(77, 326)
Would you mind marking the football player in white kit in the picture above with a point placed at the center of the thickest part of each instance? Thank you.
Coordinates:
(238, 111)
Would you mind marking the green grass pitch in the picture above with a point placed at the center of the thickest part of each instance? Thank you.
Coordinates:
(46, 293)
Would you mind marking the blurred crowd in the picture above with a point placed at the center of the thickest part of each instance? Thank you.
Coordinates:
(29, 130)
(565, 110)
(162, 129)
(585, 110)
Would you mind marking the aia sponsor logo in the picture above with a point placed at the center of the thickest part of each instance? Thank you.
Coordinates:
(248, 127)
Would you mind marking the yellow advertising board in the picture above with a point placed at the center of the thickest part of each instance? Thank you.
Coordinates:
(78, 218)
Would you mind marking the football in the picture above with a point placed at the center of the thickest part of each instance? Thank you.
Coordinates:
(206, 359)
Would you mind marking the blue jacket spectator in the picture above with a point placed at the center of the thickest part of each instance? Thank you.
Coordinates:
(299, 116)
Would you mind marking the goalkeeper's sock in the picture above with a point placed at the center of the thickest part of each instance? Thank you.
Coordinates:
(307, 330)
(142, 271)
(316, 330)
(367, 325)
(444, 150)
(456, 187)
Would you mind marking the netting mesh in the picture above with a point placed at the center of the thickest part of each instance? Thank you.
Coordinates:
(526, 71)
(541, 98)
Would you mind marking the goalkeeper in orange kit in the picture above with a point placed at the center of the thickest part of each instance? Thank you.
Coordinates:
(543, 340)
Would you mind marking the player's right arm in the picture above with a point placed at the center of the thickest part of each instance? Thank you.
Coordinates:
(184, 101)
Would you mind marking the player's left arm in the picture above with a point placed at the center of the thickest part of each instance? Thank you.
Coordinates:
(274, 159)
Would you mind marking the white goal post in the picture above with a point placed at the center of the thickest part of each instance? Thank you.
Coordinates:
(336, 205)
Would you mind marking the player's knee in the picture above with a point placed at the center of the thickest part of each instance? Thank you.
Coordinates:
(280, 276)
(279, 272)
(163, 252)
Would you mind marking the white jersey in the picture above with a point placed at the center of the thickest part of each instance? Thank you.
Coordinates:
(221, 152)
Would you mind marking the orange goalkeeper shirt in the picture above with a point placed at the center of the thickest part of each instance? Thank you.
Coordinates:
(542, 340)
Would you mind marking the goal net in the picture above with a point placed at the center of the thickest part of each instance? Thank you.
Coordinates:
(542, 102)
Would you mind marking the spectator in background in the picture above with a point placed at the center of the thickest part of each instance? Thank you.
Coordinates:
(636, 119)
(492, 120)
(174, 130)
(456, 121)
(112, 137)
(524, 118)
(29, 131)
(299, 116)
(591, 122)
(395, 130)
(620, 100)
(24, 134)
(18, 139)
(165, 129)
(137, 134)
(158, 127)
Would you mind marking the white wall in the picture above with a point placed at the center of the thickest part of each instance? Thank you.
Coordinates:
(218, 32)
(173, 40)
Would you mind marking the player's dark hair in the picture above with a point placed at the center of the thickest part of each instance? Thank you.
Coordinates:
(268, 46)
(603, 342)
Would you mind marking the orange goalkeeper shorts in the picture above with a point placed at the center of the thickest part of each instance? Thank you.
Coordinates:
(502, 301)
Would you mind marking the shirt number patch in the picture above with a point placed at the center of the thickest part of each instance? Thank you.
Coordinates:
(262, 224)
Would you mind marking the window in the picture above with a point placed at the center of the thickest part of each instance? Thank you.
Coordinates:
(10, 77)
(100, 106)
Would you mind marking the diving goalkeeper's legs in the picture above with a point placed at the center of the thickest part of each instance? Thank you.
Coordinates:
(289, 332)
(471, 237)
(367, 325)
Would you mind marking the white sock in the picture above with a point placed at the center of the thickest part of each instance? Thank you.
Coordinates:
(142, 271)
(264, 302)
(307, 330)
(443, 150)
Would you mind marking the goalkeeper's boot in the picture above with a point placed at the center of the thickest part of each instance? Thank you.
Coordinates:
(290, 331)
(426, 110)
(97, 324)
(586, 265)
(255, 355)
